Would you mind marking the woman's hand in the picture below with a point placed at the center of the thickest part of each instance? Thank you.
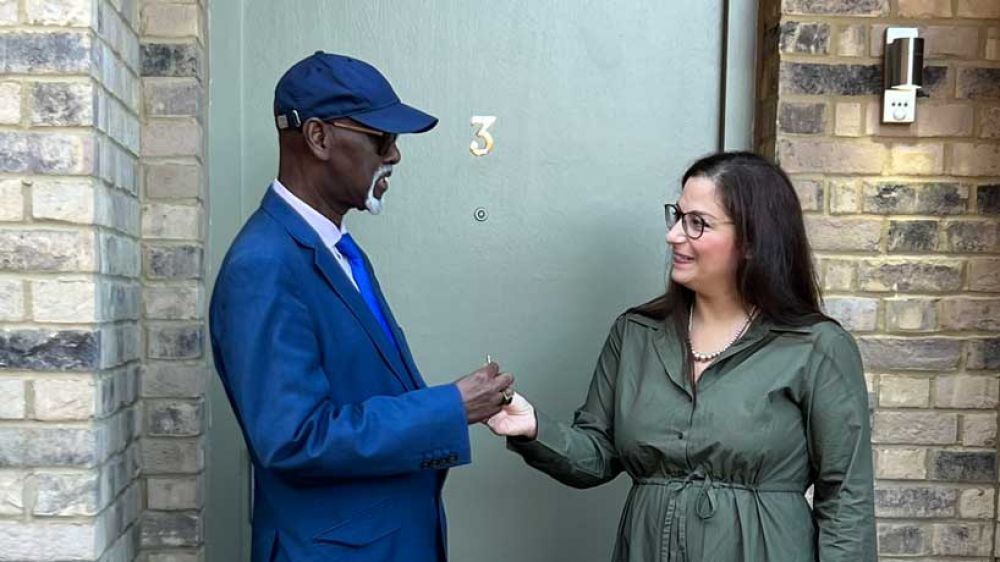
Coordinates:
(516, 419)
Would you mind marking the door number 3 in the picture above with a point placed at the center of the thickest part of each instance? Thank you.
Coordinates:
(483, 144)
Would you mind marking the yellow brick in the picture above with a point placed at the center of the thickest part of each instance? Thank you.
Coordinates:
(911, 315)
(989, 122)
(902, 463)
(915, 427)
(951, 41)
(852, 41)
(993, 44)
(831, 156)
(876, 39)
(840, 234)
(810, 193)
(64, 400)
(77, 13)
(978, 9)
(908, 275)
(171, 20)
(975, 159)
(839, 276)
(10, 103)
(11, 310)
(845, 198)
(917, 159)
(848, 120)
(11, 200)
(984, 274)
(924, 8)
(854, 314)
(900, 391)
(953, 120)
(59, 301)
(8, 16)
(171, 137)
(966, 391)
(976, 503)
(979, 430)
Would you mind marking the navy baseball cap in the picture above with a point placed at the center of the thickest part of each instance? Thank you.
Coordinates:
(329, 86)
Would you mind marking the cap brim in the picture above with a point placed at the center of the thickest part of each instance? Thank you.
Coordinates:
(398, 118)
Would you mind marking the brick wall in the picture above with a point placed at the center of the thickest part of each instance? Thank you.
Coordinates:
(904, 222)
(69, 287)
(102, 369)
(174, 230)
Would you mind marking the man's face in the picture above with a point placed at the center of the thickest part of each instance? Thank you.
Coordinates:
(360, 163)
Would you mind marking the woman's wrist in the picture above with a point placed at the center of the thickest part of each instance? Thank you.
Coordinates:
(531, 433)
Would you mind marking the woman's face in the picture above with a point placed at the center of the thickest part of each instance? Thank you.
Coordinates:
(706, 265)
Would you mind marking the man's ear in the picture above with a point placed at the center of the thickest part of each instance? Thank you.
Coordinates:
(317, 139)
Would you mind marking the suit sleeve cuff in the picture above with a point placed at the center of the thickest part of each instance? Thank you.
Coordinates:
(451, 432)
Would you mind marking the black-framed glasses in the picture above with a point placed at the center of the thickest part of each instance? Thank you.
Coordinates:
(384, 142)
(692, 223)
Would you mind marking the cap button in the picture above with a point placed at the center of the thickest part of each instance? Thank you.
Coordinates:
(320, 52)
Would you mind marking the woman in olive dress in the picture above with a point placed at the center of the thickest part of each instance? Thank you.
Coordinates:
(726, 398)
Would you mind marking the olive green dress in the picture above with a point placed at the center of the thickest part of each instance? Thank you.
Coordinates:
(719, 472)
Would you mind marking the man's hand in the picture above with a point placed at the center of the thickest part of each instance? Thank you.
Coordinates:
(482, 392)
(516, 419)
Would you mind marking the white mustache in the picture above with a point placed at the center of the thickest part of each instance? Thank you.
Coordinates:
(381, 172)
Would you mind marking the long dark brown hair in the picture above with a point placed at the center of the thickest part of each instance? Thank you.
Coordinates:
(775, 273)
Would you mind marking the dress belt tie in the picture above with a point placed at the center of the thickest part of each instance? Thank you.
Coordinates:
(674, 543)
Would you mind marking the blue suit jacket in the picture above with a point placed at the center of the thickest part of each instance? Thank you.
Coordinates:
(349, 445)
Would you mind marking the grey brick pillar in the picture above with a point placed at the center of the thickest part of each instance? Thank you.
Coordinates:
(174, 198)
(69, 280)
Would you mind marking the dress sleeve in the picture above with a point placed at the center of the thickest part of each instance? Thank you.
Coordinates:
(581, 454)
(840, 453)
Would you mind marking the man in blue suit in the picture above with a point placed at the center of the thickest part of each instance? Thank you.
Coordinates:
(350, 447)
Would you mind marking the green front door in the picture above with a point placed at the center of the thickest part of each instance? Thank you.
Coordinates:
(526, 253)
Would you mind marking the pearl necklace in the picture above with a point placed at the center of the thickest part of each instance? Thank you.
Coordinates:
(703, 357)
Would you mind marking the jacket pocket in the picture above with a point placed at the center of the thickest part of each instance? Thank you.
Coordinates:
(363, 528)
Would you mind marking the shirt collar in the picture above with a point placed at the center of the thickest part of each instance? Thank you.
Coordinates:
(758, 326)
(324, 227)
(777, 327)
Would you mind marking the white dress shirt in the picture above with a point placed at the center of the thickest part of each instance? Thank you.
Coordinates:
(324, 227)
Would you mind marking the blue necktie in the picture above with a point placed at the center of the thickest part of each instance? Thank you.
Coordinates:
(350, 250)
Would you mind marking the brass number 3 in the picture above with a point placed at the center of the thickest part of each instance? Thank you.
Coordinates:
(484, 122)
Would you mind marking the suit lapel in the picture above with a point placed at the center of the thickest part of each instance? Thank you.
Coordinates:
(338, 281)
